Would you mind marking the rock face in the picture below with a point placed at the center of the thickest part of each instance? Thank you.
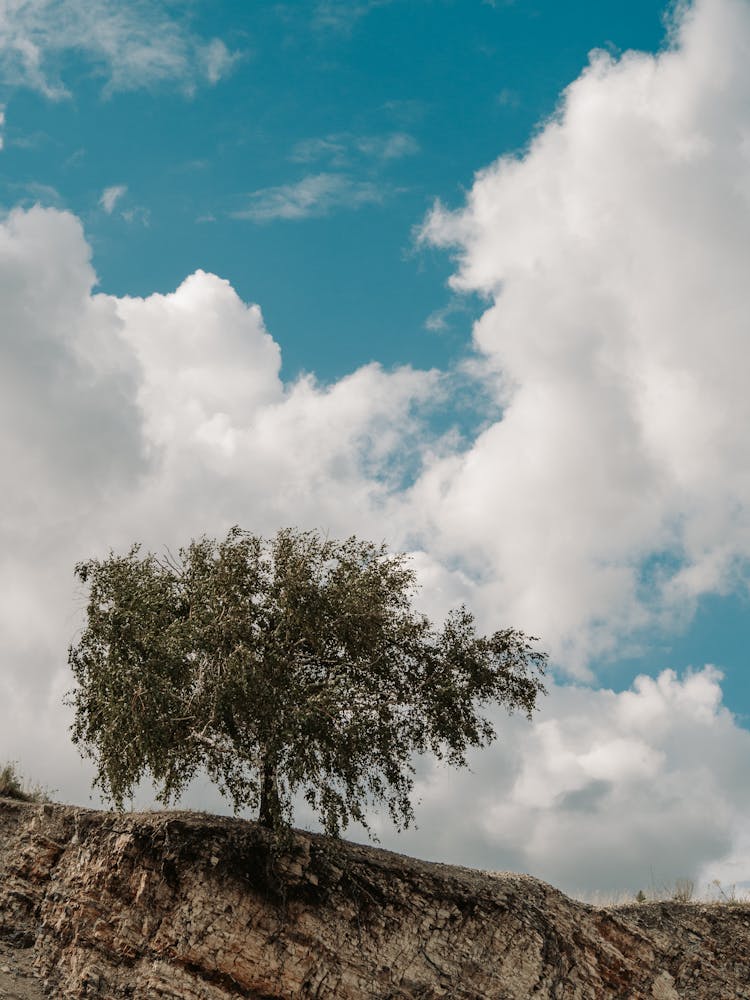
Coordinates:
(197, 907)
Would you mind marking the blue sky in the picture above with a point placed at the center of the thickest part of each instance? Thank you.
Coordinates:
(468, 276)
(396, 105)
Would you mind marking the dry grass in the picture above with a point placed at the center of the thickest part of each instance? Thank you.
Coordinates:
(682, 890)
(13, 786)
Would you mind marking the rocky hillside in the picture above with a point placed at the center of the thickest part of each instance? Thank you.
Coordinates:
(197, 907)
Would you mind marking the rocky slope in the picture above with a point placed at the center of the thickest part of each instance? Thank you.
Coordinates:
(197, 907)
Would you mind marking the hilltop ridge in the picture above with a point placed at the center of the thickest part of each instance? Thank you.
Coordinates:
(198, 907)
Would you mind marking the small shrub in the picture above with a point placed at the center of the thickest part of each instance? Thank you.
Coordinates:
(640, 896)
(683, 890)
(10, 783)
(727, 894)
(12, 786)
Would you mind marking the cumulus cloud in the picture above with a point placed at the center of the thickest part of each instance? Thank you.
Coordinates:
(157, 419)
(70, 441)
(613, 256)
(133, 45)
(607, 491)
(603, 794)
(314, 195)
(164, 417)
(605, 791)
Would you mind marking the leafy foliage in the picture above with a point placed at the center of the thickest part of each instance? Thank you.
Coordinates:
(282, 665)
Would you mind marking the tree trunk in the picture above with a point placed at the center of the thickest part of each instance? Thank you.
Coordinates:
(269, 814)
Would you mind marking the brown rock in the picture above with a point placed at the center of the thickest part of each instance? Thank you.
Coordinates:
(195, 907)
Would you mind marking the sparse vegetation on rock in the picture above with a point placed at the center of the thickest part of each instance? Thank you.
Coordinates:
(13, 786)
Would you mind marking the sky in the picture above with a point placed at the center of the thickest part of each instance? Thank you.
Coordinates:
(466, 277)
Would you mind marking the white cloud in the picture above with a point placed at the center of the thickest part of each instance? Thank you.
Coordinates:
(602, 795)
(157, 419)
(614, 255)
(191, 380)
(164, 417)
(314, 195)
(133, 45)
(111, 195)
(612, 490)
(609, 792)
(216, 60)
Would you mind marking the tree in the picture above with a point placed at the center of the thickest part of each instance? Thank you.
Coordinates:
(283, 665)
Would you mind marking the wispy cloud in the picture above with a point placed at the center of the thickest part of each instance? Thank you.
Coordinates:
(133, 45)
(314, 195)
(439, 320)
(335, 148)
(508, 98)
(30, 193)
(110, 197)
(137, 215)
(351, 171)
(342, 148)
(110, 200)
(342, 15)
(216, 60)
(392, 146)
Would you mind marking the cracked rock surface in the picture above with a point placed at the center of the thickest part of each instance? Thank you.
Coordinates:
(196, 907)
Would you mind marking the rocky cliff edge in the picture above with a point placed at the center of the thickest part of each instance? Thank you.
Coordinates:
(197, 907)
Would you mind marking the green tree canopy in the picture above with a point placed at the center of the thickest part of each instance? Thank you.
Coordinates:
(295, 664)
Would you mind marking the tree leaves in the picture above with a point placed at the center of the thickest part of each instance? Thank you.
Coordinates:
(295, 664)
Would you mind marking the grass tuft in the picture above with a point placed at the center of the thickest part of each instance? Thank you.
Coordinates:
(12, 786)
(682, 890)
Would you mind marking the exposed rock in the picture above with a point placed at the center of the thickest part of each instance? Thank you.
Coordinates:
(196, 907)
